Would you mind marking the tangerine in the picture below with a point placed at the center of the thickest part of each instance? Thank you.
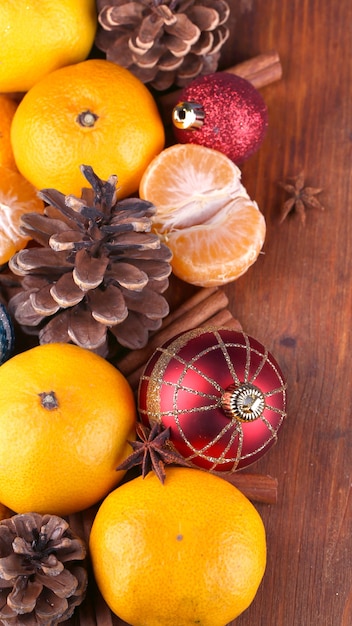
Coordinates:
(39, 36)
(203, 213)
(65, 417)
(189, 551)
(95, 113)
(17, 196)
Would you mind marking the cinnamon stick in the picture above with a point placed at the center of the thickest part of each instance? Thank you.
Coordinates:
(196, 300)
(192, 318)
(261, 70)
(223, 319)
(257, 487)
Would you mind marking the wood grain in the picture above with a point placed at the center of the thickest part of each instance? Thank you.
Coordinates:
(296, 300)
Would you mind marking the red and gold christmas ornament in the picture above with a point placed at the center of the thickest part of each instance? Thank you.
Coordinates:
(221, 393)
(221, 111)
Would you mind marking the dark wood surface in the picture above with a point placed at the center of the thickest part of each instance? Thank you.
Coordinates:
(296, 299)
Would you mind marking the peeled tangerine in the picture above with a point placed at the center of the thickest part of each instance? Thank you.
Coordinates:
(203, 213)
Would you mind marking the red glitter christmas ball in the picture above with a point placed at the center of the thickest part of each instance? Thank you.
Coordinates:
(221, 393)
(224, 112)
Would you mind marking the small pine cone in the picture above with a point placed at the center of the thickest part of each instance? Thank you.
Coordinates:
(40, 580)
(98, 269)
(163, 43)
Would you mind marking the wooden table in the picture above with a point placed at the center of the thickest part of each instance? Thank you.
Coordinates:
(296, 299)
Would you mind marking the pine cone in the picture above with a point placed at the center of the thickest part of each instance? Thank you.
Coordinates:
(40, 581)
(163, 43)
(99, 269)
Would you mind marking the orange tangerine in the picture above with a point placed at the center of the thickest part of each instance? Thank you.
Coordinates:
(17, 196)
(93, 113)
(204, 214)
(66, 415)
(38, 36)
(189, 551)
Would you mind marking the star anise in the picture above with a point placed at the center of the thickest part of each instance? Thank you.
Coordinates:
(153, 451)
(302, 198)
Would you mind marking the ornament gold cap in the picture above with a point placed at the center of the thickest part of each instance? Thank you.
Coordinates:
(188, 115)
(243, 402)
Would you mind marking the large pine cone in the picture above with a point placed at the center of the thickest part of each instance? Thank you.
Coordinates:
(99, 269)
(163, 43)
(40, 580)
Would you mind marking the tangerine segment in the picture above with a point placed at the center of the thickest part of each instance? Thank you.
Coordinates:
(220, 250)
(17, 196)
(186, 173)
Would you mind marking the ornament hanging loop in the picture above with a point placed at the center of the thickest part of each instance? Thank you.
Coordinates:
(188, 115)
